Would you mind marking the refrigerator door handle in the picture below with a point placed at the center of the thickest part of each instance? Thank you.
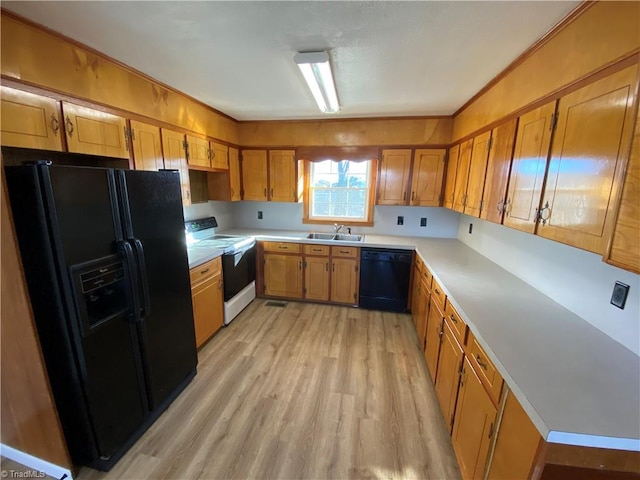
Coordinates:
(142, 270)
(128, 253)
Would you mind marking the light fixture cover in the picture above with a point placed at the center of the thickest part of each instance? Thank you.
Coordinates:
(316, 70)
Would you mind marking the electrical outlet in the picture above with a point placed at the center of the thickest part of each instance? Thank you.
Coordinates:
(423, 221)
(259, 214)
(470, 228)
(400, 220)
(619, 295)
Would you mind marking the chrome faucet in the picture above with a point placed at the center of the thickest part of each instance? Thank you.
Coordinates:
(337, 228)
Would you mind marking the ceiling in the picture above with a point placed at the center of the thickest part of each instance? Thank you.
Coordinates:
(390, 58)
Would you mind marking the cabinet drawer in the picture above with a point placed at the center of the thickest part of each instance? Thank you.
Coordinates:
(202, 272)
(321, 250)
(437, 293)
(345, 251)
(427, 277)
(456, 323)
(419, 265)
(282, 247)
(487, 372)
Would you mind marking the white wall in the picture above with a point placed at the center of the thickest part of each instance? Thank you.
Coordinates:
(578, 280)
(288, 216)
(223, 211)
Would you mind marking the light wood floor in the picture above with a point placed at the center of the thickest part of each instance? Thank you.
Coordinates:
(302, 392)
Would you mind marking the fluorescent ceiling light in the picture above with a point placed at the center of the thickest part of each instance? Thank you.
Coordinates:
(316, 71)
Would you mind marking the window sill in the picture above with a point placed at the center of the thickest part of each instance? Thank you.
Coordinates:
(348, 223)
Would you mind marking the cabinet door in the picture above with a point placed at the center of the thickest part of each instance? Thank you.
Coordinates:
(175, 158)
(427, 176)
(198, 152)
(528, 168)
(477, 172)
(254, 175)
(590, 146)
(344, 281)
(394, 177)
(208, 313)
(434, 333)
(219, 155)
(283, 275)
(282, 176)
(147, 146)
(625, 242)
(473, 424)
(29, 120)
(316, 278)
(462, 176)
(450, 182)
(448, 378)
(93, 132)
(234, 174)
(423, 311)
(415, 296)
(498, 168)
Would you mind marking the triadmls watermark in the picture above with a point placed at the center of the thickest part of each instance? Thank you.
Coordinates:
(22, 474)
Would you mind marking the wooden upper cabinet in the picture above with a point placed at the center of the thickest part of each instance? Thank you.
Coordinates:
(254, 175)
(282, 176)
(234, 175)
(344, 280)
(473, 426)
(498, 168)
(462, 176)
(477, 172)
(426, 177)
(29, 120)
(198, 153)
(175, 158)
(316, 278)
(528, 168)
(283, 275)
(590, 147)
(448, 378)
(219, 155)
(94, 132)
(624, 251)
(395, 168)
(147, 146)
(450, 182)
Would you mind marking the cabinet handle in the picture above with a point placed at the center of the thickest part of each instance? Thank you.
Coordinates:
(265, 193)
(300, 264)
(333, 267)
(462, 375)
(272, 192)
(437, 291)
(327, 266)
(344, 251)
(404, 196)
(453, 318)
(413, 196)
(316, 250)
(55, 124)
(127, 137)
(204, 271)
(500, 206)
(69, 125)
(283, 247)
(480, 362)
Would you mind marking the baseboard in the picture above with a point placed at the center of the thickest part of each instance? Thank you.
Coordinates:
(35, 463)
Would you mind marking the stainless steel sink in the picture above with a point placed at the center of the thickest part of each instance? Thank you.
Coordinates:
(340, 237)
(348, 238)
(321, 236)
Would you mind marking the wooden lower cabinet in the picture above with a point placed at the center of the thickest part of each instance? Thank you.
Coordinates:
(207, 298)
(344, 280)
(422, 312)
(433, 335)
(473, 426)
(316, 278)
(283, 275)
(448, 378)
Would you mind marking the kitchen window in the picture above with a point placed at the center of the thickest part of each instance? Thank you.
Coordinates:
(339, 191)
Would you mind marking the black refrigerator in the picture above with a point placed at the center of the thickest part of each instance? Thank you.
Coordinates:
(106, 267)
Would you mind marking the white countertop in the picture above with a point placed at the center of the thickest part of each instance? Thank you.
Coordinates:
(578, 385)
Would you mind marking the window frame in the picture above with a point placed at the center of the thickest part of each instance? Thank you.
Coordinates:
(371, 197)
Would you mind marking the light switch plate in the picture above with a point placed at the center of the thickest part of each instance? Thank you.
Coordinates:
(400, 220)
(619, 295)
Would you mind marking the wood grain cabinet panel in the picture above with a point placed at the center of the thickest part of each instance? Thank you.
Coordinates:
(94, 132)
(434, 333)
(347, 252)
(316, 278)
(254, 175)
(318, 250)
(528, 168)
(625, 241)
(344, 280)
(219, 155)
(29, 120)
(147, 146)
(415, 295)
(234, 175)
(283, 275)
(198, 153)
(498, 169)
(448, 377)
(422, 313)
(455, 321)
(208, 306)
(393, 183)
(462, 176)
(473, 425)
(477, 172)
(225, 185)
(426, 177)
(486, 370)
(282, 247)
(175, 158)
(282, 176)
(591, 142)
(450, 181)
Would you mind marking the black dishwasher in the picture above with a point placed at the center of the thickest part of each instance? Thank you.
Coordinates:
(384, 279)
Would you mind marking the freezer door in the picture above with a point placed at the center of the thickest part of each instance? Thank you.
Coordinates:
(153, 223)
